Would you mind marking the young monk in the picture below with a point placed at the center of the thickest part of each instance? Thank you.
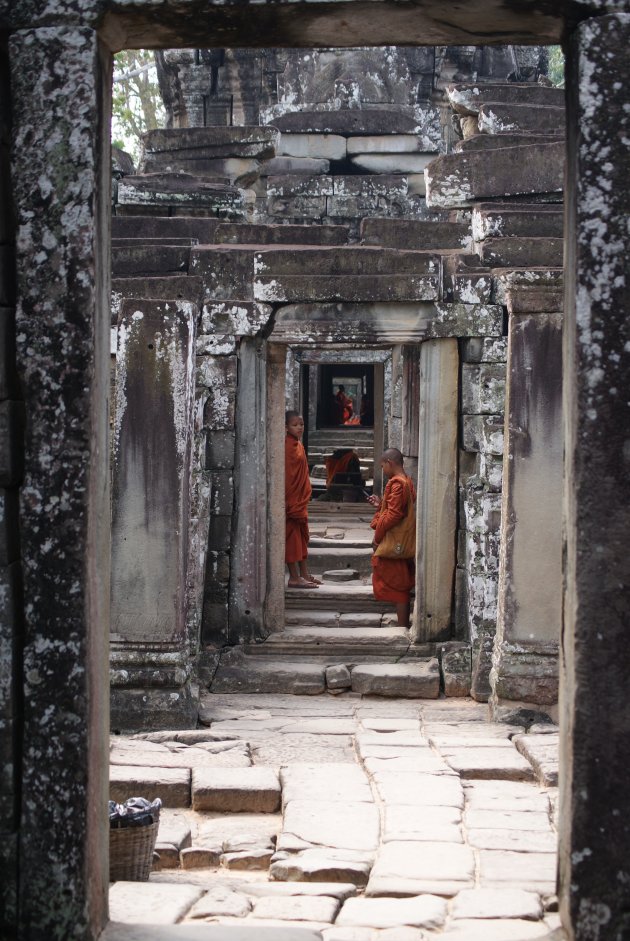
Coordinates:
(392, 579)
(297, 493)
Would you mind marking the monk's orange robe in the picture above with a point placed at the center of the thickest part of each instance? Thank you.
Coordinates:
(297, 493)
(392, 579)
(341, 465)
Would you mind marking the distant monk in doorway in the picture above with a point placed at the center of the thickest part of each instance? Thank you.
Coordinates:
(394, 525)
(344, 406)
(297, 493)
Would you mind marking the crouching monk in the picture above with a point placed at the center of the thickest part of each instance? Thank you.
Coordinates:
(393, 578)
(297, 493)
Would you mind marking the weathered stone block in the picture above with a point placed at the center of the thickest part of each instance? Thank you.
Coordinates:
(171, 785)
(236, 790)
(387, 186)
(146, 260)
(352, 207)
(408, 680)
(255, 675)
(328, 146)
(214, 627)
(497, 118)
(469, 98)
(12, 421)
(523, 252)
(299, 208)
(306, 166)
(526, 675)
(143, 227)
(189, 142)
(392, 163)
(218, 376)
(220, 450)
(483, 433)
(416, 234)
(504, 220)
(220, 534)
(385, 144)
(9, 384)
(338, 677)
(183, 193)
(468, 287)
(292, 186)
(484, 350)
(482, 661)
(351, 122)
(227, 271)
(483, 388)
(237, 318)
(9, 526)
(10, 603)
(460, 179)
(249, 234)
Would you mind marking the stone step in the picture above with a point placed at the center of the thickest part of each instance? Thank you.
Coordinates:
(492, 141)
(350, 597)
(469, 98)
(237, 673)
(455, 180)
(317, 618)
(420, 680)
(180, 192)
(496, 118)
(323, 558)
(517, 221)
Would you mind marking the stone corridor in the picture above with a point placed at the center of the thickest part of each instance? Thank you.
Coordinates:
(344, 818)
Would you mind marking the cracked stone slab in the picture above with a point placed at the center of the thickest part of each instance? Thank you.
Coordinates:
(426, 911)
(174, 829)
(407, 868)
(296, 908)
(428, 790)
(251, 859)
(179, 755)
(534, 872)
(334, 783)
(323, 866)
(505, 796)
(403, 822)
(222, 829)
(495, 764)
(522, 841)
(348, 825)
(421, 760)
(221, 901)
(399, 739)
(148, 903)
(542, 753)
(389, 726)
(287, 749)
(232, 790)
(497, 903)
(171, 785)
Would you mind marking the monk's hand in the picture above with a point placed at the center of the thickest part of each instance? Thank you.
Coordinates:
(374, 500)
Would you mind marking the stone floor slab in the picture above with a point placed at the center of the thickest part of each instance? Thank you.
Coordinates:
(232, 790)
(421, 760)
(504, 929)
(219, 902)
(147, 903)
(214, 932)
(507, 820)
(495, 764)
(505, 796)
(426, 790)
(322, 866)
(348, 825)
(497, 903)
(174, 828)
(410, 738)
(424, 911)
(333, 783)
(542, 753)
(407, 868)
(521, 841)
(408, 822)
(534, 872)
(391, 725)
(171, 785)
(296, 908)
(289, 749)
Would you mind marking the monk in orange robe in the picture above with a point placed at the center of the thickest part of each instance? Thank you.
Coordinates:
(344, 406)
(392, 579)
(343, 461)
(297, 493)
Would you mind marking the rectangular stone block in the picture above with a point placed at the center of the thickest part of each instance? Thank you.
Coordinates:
(297, 208)
(498, 118)
(293, 186)
(387, 186)
(483, 433)
(9, 523)
(236, 318)
(220, 534)
(220, 450)
(408, 868)
(227, 271)
(146, 260)
(171, 785)
(153, 429)
(393, 288)
(416, 234)
(236, 790)
(460, 179)
(351, 207)
(385, 144)
(182, 193)
(522, 252)
(408, 680)
(217, 376)
(285, 166)
(392, 163)
(143, 227)
(260, 142)
(12, 420)
(484, 350)
(483, 388)
(329, 146)
(9, 384)
(469, 98)
(249, 234)
(504, 220)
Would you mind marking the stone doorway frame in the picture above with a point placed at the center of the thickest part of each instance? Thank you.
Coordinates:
(60, 139)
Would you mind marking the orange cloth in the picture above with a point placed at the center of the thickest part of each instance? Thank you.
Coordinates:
(392, 579)
(338, 465)
(344, 407)
(297, 493)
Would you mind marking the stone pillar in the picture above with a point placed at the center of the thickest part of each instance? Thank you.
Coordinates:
(379, 422)
(61, 87)
(410, 406)
(525, 658)
(276, 528)
(248, 581)
(151, 485)
(313, 392)
(595, 705)
(437, 491)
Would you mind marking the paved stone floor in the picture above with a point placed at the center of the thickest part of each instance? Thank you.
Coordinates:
(345, 819)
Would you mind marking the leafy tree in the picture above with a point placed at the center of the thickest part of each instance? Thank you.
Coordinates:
(136, 103)
(556, 65)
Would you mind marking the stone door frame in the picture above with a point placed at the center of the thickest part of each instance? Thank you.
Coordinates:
(60, 61)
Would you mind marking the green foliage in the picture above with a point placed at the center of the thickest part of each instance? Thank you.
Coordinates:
(136, 103)
(556, 65)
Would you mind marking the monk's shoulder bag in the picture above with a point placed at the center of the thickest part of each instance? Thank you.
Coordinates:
(399, 542)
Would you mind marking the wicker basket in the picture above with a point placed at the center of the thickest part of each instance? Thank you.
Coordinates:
(131, 853)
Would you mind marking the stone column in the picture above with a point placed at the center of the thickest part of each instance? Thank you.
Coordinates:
(151, 483)
(248, 581)
(410, 405)
(595, 706)
(61, 87)
(379, 421)
(525, 658)
(276, 528)
(437, 490)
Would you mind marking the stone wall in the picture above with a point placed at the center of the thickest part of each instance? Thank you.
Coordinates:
(11, 469)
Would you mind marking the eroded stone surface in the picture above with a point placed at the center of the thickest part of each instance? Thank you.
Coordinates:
(255, 790)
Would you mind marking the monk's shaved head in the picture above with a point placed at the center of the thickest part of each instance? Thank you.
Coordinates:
(289, 415)
(393, 455)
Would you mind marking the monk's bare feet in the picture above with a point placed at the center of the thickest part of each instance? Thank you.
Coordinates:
(312, 579)
(302, 583)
